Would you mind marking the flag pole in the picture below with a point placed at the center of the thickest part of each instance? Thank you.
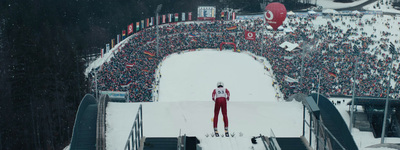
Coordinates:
(353, 90)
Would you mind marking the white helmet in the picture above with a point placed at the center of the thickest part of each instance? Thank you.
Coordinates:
(220, 84)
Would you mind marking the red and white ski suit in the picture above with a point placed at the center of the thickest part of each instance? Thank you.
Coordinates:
(220, 95)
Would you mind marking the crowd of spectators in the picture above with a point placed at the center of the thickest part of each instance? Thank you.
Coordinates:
(326, 50)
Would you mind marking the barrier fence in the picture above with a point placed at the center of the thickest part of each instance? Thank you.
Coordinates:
(136, 134)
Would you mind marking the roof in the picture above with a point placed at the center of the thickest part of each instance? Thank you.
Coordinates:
(289, 46)
(375, 101)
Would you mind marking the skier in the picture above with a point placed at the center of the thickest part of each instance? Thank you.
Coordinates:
(220, 95)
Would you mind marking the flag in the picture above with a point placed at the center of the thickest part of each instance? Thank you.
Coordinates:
(289, 79)
(137, 26)
(164, 18)
(176, 17)
(149, 53)
(287, 57)
(183, 16)
(192, 35)
(147, 22)
(129, 65)
(128, 82)
(190, 16)
(118, 38)
(332, 74)
(231, 28)
(123, 34)
(233, 16)
(170, 17)
(130, 29)
(248, 35)
(102, 52)
(151, 21)
(170, 28)
(222, 15)
(142, 24)
(112, 43)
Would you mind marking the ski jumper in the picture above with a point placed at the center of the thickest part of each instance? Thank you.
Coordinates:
(220, 95)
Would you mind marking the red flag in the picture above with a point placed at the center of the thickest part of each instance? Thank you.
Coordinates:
(248, 35)
(149, 53)
(332, 74)
(130, 29)
(190, 16)
(129, 65)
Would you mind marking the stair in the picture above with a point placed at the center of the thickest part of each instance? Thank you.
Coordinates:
(160, 143)
(291, 143)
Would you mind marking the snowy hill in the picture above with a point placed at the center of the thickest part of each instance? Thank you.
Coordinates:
(187, 106)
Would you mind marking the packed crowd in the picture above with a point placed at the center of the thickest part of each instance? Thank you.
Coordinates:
(325, 49)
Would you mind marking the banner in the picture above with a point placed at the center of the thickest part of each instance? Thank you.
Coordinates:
(102, 52)
(170, 17)
(222, 15)
(287, 57)
(129, 65)
(152, 21)
(112, 43)
(183, 16)
(231, 28)
(289, 79)
(130, 29)
(164, 18)
(123, 34)
(142, 24)
(233, 16)
(147, 22)
(116, 95)
(190, 16)
(137, 26)
(176, 17)
(118, 38)
(248, 35)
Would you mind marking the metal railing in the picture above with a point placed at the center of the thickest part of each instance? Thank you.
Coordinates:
(181, 141)
(136, 134)
(273, 144)
(327, 138)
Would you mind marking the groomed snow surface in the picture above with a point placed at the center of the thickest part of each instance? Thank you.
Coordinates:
(185, 104)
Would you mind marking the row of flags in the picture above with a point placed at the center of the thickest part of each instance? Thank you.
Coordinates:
(148, 22)
(228, 15)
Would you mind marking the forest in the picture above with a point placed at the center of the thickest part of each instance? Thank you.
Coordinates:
(45, 46)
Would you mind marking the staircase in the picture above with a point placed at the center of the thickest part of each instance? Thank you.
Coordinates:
(291, 143)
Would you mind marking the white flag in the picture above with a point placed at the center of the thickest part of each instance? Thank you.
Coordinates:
(289, 79)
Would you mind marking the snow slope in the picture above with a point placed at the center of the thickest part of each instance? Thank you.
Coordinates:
(185, 101)
(185, 104)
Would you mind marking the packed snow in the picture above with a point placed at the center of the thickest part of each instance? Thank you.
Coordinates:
(185, 102)
(185, 105)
